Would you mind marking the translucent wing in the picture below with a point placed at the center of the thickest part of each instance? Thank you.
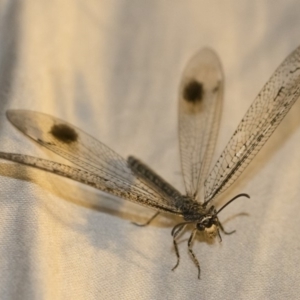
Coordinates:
(200, 103)
(102, 167)
(108, 184)
(260, 121)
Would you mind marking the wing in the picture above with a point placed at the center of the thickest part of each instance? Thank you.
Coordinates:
(152, 179)
(98, 164)
(200, 103)
(264, 115)
(106, 184)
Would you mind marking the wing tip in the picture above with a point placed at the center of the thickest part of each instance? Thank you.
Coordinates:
(16, 117)
(11, 115)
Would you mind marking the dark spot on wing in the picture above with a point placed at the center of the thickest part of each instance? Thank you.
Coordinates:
(64, 133)
(193, 91)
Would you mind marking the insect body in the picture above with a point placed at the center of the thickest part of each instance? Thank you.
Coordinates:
(200, 104)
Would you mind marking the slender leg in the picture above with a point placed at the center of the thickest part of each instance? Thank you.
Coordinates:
(148, 222)
(220, 237)
(195, 260)
(175, 235)
(224, 231)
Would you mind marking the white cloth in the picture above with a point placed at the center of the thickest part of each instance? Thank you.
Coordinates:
(112, 68)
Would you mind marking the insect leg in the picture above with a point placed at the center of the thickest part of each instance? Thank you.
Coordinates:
(220, 237)
(195, 260)
(175, 235)
(224, 231)
(148, 222)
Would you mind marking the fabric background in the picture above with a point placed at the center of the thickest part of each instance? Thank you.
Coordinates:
(112, 68)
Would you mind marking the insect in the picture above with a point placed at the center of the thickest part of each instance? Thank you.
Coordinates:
(200, 103)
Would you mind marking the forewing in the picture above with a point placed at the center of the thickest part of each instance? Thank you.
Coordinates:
(264, 115)
(200, 103)
(86, 152)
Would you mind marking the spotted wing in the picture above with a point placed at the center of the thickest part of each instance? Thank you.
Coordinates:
(99, 166)
(200, 103)
(264, 115)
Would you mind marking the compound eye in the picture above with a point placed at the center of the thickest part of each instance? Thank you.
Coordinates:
(206, 223)
(209, 223)
(200, 227)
